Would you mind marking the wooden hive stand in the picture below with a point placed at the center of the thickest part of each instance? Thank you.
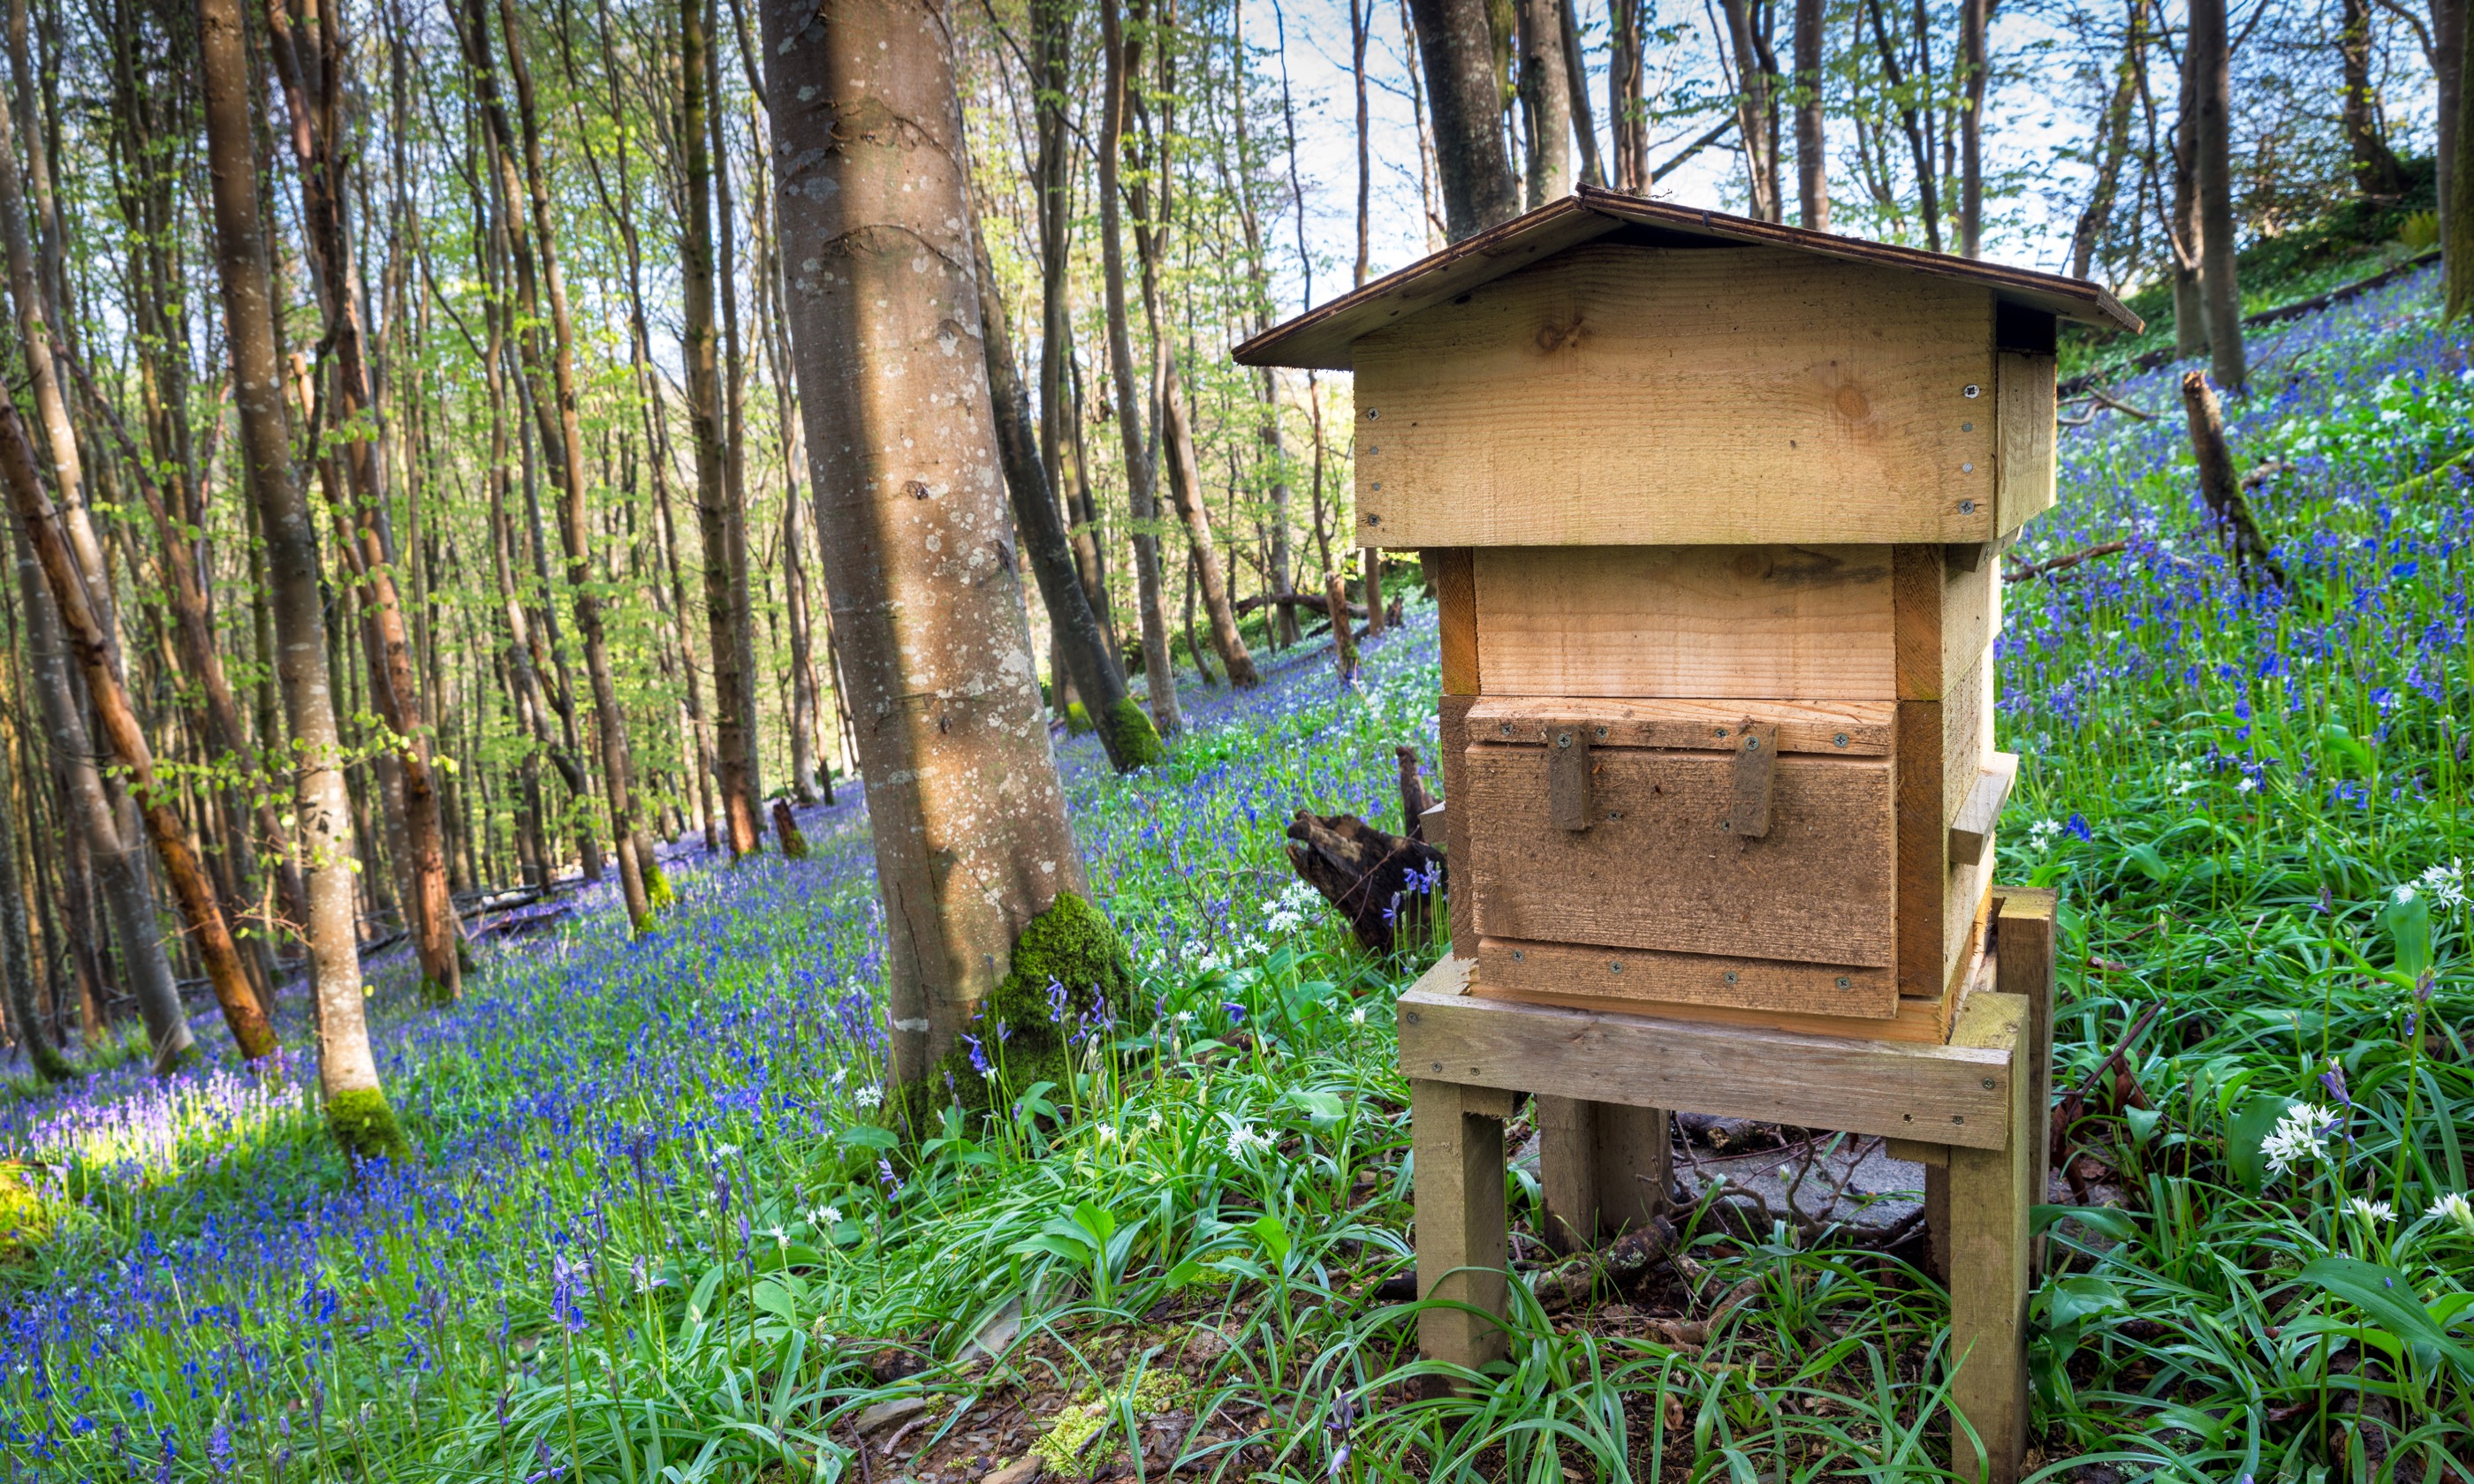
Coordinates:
(1969, 1110)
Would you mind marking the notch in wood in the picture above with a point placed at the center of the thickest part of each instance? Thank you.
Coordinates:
(1971, 834)
(1747, 812)
(1568, 774)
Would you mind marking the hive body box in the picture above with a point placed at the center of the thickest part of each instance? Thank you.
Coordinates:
(1714, 512)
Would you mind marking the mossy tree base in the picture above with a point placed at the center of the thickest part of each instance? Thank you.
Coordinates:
(1027, 1032)
(365, 1125)
(1131, 739)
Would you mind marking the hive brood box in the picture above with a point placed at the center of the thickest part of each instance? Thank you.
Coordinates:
(1713, 510)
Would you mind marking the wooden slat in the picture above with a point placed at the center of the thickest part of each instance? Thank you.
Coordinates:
(1946, 614)
(1655, 870)
(1923, 846)
(1922, 1023)
(1631, 395)
(1461, 867)
(1867, 728)
(1862, 1087)
(1604, 1168)
(1774, 622)
(2026, 413)
(1622, 978)
(1456, 1138)
(2025, 920)
(1988, 1243)
(1967, 733)
(1970, 832)
(1918, 1152)
(1456, 618)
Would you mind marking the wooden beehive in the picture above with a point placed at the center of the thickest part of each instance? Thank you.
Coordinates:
(1714, 508)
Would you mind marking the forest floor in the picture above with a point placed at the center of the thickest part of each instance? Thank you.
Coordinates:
(654, 1233)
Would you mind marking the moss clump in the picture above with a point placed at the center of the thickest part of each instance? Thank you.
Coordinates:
(25, 1219)
(365, 1126)
(1078, 719)
(658, 895)
(1023, 1030)
(1066, 1440)
(1132, 736)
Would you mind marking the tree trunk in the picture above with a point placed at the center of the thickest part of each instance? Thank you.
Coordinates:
(1361, 20)
(2448, 65)
(2228, 511)
(356, 1104)
(1545, 101)
(1753, 112)
(1919, 148)
(2377, 172)
(1125, 733)
(1159, 668)
(733, 463)
(1974, 19)
(2188, 232)
(2113, 146)
(2212, 69)
(972, 843)
(1456, 46)
(2458, 267)
(17, 947)
(1812, 155)
(1576, 82)
(1627, 120)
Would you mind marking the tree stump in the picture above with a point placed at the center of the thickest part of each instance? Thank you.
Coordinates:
(1386, 885)
(794, 845)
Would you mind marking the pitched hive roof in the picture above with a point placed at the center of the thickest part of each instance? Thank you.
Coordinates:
(1320, 337)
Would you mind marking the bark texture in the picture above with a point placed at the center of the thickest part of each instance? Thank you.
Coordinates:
(1456, 47)
(2229, 509)
(972, 843)
(2219, 291)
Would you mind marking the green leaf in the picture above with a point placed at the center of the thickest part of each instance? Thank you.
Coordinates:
(2338, 746)
(867, 1136)
(2249, 1131)
(2408, 920)
(2079, 1299)
(1272, 1237)
(2387, 1297)
(2151, 864)
(1322, 1106)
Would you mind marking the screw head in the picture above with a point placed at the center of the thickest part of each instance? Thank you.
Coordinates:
(1562, 739)
(1505, 729)
(1840, 739)
(1615, 965)
(1602, 731)
(1518, 954)
(1375, 520)
(1988, 1084)
(1730, 976)
(1377, 412)
(1967, 507)
(1964, 469)
(1752, 744)
(1844, 982)
(1972, 392)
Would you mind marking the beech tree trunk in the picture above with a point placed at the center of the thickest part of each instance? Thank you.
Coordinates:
(16, 945)
(1545, 101)
(971, 837)
(356, 1104)
(1576, 84)
(1812, 148)
(1456, 46)
(1142, 493)
(2377, 171)
(1974, 19)
(1753, 112)
(2220, 294)
(2112, 145)
(2229, 509)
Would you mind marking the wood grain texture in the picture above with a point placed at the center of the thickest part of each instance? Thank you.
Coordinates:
(1633, 978)
(1923, 849)
(1990, 1203)
(1462, 1238)
(2025, 920)
(1895, 1089)
(1456, 618)
(1603, 1168)
(1946, 614)
(1868, 727)
(1967, 733)
(1657, 869)
(1451, 723)
(1970, 829)
(2028, 432)
(1606, 396)
(1920, 1022)
(1748, 806)
(1768, 622)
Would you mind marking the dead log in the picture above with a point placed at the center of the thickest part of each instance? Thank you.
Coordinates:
(1311, 602)
(2228, 511)
(1416, 797)
(1386, 885)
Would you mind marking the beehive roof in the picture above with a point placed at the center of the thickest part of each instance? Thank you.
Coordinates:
(1321, 336)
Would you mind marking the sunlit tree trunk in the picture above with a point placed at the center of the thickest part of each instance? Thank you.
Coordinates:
(2212, 73)
(357, 1106)
(1456, 45)
(972, 843)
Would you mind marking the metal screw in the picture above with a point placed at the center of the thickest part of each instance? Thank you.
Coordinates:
(1726, 824)
(1958, 1118)
(1376, 412)
(1437, 1065)
(1507, 729)
(1722, 731)
(1988, 1084)
(1730, 976)
(1519, 953)
(1964, 469)
(1615, 965)
(1842, 981)
(1602, 731)
(1840, 739)
(1372, 451)
(1375, 520)
(1562, 739)
(1752, 744)
(1967, 507)
(1964, 427)
(1973, 392)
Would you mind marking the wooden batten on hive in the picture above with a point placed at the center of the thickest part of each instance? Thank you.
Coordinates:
(1712, 510)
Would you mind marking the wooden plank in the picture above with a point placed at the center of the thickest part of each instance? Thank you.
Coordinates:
(1772, 622)
(1462, 1238)
(1970, 832)
(1988, 1224)
(1456, 618)
(1655, 870)
(1748, 801)
(1832, 729)
(1634, 1154)
(1915, 1151)
(1567, 1170)
(2025, 411)
(1604, 1168)
(2026, 920)
(1569, 802)
(1602, 397)
(1967, 733)
(1946, 614)
(1627, 978)
(1920, 1022)
(1460, 867)
(1864, 1086)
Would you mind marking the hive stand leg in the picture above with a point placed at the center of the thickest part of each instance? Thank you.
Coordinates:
(1605, 1168)
(2026, 931)
(1457, 1136)
(1988, 1257)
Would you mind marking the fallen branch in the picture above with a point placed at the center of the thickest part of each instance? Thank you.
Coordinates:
(1365, 872)
(1312, 602)
(2021, 574)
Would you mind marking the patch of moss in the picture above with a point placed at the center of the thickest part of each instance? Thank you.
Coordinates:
(25, 1220)
(1024, 1029)
(1078, 719)
(1064, 1443)
(365, 1125)
(1135, 739)
(658, 894)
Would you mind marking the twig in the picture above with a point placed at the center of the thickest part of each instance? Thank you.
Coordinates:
(2021, 574)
